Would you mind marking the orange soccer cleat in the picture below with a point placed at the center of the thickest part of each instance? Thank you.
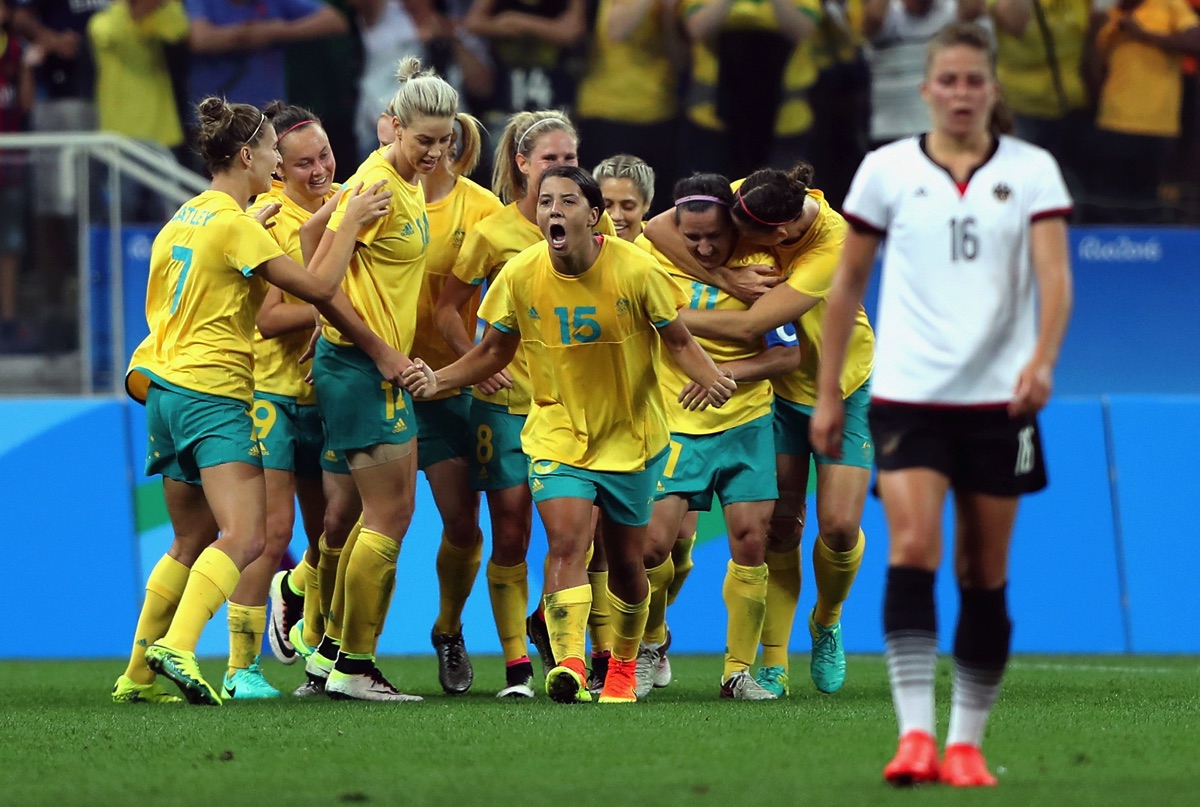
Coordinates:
(620, 685)
(964, 766)
(916, 761)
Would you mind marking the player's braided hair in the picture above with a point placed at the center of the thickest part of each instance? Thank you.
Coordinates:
(626, 166)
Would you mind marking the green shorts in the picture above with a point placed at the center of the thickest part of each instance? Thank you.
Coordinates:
(737, 465)
(190, 430)
(359, 409)
(291, 435)
(625, 497)
(443, 429)
(498, 463)
(791, 430)
(334, 462)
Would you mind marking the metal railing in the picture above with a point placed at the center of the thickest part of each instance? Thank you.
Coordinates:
(127, 160)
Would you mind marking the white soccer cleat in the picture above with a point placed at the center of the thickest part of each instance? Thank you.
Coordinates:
(367, 686)
(742, 687)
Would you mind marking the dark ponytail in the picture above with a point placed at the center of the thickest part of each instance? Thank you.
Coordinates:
(771, 198)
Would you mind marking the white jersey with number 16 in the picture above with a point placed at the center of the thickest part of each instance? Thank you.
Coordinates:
(957, 312)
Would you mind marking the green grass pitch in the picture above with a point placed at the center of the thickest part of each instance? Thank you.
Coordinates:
(1067, 731)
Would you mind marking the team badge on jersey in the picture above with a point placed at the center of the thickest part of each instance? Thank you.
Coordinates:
(622, 307)
(457, 238)
(1002, 191)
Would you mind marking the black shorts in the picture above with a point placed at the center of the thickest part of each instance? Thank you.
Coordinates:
(980, 450)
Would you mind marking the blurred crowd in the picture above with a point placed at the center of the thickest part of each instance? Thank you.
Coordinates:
(1108, 86)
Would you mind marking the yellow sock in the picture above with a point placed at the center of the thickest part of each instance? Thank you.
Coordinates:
(745, 594)
(783, 593)
(456, 570)
(337, 604)
(164, 588)
(371, 567)
(566, 620)
(327, 573)
(298, 577)
(213, 578)
(681, 554)
(834, 573)
(599, 619)
(656, 619)
(385, 600)
(628, 626)
(247, 623)
(508, 588)
(314, 619)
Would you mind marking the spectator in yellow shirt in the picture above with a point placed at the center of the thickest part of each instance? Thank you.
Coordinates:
(1139, 53)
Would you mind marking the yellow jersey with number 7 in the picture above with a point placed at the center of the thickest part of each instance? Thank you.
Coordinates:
(202, 299)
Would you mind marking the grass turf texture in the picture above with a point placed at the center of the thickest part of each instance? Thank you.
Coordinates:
(1068, 730)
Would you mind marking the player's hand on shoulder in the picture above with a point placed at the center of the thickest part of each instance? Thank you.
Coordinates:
(366, 206)
(266, 213)
(751, 282)
(419, 380)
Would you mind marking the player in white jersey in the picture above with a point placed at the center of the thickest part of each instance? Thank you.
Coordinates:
(975, 224)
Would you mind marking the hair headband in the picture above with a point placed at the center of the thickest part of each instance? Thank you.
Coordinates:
(294, 126)
(763, 222)
(535, 124)
(701, 198)
(262, 117)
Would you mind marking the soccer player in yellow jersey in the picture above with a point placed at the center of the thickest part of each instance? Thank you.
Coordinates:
(592, 312)
(779, 210)
(729, 452)
(806, 236)
(454, 205)
(195, 374)
(531, 143)
(627, 183)
(288, 426)
(366, 415)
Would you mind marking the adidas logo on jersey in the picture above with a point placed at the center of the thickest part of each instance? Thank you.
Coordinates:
(921, 192)
(535, 485)
(399, 427)
(256, 450)
(533, 314)
(331, 455)
(408, 230)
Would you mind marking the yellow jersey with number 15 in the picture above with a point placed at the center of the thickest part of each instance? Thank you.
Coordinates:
(385, 274)
(593, 346)
(277, 369)
(202, 299)
(450, 219)
(487, 248)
